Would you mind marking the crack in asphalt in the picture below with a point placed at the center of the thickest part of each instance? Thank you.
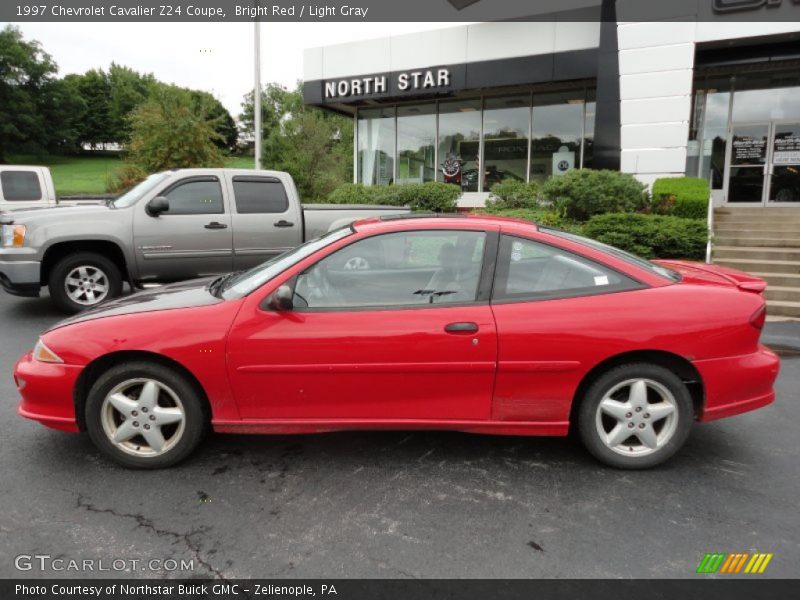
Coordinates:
(145, 523)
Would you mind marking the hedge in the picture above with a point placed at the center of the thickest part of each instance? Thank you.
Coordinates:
(681, 196)
(429, 197)
(514, 194)
(583, 193)
(650, 236)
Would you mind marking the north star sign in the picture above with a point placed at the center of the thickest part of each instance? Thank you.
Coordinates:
(406, 81)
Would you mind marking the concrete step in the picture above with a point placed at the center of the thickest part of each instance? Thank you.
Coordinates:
(779, 279)
(744, 225)
(750, 265)
(749, 240)
(776, 308)
(758, 210)
(767, 253)
(783, 293)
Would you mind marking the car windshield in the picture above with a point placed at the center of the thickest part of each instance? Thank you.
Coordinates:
(626, 256)
(133, 195)
(247, 281)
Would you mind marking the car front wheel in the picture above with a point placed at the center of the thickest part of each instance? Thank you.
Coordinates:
(636, 416)
(145, 415)
(83, 280)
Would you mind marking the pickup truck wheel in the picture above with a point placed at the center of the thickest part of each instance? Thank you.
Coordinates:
(83, 280)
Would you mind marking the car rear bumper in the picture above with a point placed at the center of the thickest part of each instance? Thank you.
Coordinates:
(46, 390)
(20, 278)
(738, 384)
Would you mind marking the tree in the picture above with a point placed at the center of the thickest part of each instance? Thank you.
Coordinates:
(25, 69)
(314, 146)
(127, 89)
(173, 129)
(96, 92)
(225, 125)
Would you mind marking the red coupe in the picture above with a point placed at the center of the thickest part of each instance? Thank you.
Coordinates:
(477, 324)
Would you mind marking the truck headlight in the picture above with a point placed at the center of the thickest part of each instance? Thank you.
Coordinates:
(13, 236)
(43, 354)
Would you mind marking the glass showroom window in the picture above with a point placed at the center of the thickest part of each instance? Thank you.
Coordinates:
(416, 143)
(376, 144)
(459, 143)
(590, 110)
(506, 130)
(557, 133)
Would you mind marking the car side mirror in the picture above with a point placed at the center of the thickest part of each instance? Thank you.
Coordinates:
(157, 205)
(282, 299)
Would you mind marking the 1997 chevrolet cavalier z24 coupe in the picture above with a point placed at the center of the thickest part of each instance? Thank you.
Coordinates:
(477, 324)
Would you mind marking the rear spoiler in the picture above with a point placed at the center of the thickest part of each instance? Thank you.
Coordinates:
(746, 283)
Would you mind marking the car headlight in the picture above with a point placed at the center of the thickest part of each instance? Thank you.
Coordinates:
(43, 354)
(13, 236)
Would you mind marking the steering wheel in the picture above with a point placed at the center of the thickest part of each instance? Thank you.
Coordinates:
(357, 263)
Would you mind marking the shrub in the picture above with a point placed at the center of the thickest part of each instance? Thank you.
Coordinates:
(540, 216)
(430, 197)
(685, 197)
(514, 194)
(583, 193)
(124, 178)
(650, 236)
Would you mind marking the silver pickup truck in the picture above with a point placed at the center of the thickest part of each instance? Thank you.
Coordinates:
(175, 225)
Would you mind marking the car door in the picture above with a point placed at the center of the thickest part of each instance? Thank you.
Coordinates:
(557, 314)
(191, 239)
(392, 327)
(265, 222)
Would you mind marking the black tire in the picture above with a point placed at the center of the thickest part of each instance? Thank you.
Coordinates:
(588, 410)
(195, 424)
(58, 275)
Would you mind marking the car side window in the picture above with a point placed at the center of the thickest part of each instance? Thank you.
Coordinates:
(201, 196)
(531, 270)
(20, 185)
(409, 268)
(259, 195)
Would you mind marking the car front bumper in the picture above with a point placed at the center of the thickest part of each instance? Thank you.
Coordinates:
(20, 277)
(46, 390)
(738, 384)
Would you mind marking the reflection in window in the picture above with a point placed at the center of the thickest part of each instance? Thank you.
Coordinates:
(459, 143)
(588, 130)
(198, 197)
(416, 143)
(376, 146)
(506, 124)
(557, 130)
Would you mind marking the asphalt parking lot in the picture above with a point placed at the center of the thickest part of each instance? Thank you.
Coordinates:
(394, 504)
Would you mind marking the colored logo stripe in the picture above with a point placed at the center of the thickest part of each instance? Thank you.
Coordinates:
(722, 562)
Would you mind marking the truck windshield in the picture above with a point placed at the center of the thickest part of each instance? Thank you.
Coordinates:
(244, 283)
(133, 195)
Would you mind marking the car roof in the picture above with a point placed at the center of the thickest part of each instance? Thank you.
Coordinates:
(437, 221)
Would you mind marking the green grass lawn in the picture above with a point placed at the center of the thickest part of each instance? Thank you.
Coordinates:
(76, 175)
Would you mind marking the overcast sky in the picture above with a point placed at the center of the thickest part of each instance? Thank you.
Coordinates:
(217, 57)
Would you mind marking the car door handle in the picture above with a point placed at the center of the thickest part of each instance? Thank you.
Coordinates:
(283, 223)
(216, 225)
(461, 328)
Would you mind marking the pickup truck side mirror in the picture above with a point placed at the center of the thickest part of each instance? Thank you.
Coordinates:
(157, 205)
(282, 299)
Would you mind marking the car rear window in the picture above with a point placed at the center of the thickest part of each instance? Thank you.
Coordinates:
(20, 185)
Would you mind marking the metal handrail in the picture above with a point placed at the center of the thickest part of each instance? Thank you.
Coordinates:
(710, 226)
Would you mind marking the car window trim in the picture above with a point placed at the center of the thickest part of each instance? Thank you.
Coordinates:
(504, 259)
(193, 179)
(480, 300)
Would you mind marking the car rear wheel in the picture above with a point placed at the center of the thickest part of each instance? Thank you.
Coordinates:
(83, 280)
(636, 416)
(144, 415)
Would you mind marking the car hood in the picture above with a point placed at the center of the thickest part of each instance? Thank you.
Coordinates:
(60, 211)
(186, 294)
(705, 274)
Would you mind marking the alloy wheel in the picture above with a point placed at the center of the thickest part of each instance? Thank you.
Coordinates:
(86, 285)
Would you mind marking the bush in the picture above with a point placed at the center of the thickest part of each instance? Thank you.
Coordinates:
(429, 197)
(650, 236)
(583, 193)
(685, 197)
(514, 194)
(540, 216)
(124, 178)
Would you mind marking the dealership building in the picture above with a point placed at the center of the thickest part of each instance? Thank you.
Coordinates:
(480, 103)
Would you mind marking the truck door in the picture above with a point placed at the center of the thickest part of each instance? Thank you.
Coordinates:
(266, 221)
(191, 239)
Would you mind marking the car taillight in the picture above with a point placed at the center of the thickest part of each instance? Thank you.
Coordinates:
(758, 318)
